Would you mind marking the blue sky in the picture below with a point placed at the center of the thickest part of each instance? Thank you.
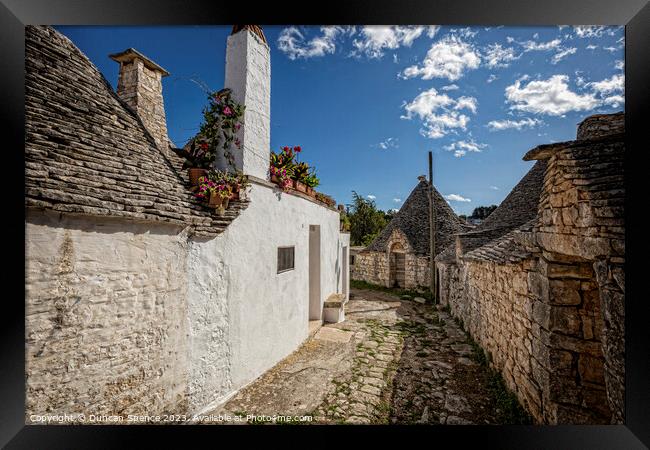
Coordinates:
(367, 103)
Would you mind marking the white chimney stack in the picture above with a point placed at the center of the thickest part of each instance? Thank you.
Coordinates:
(248, 75)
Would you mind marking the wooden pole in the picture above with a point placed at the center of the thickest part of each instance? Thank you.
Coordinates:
(432, 233)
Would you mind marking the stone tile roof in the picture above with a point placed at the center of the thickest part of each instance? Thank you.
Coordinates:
(518, 209)
(520, 205)
(413, 220)
(87, 152)
(512, 247)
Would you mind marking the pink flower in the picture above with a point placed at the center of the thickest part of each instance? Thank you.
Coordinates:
(237, 126)
(227, 111)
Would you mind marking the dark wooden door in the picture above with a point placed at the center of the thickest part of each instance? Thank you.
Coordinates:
(398, 269)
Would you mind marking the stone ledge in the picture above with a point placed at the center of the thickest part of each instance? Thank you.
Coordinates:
(266, 183)
(335, 301)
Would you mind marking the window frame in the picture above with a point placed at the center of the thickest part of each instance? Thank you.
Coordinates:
(293, 259)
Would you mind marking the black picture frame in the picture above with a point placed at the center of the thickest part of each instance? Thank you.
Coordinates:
(15, 14)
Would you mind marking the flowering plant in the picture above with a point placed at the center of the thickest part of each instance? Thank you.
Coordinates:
(282, 166)
(312, 180)
(283, 175)
(221, 121)
(208, 186)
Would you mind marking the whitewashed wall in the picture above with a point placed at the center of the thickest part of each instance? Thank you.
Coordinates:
(136, 318)
(105, 312)
(267, 313)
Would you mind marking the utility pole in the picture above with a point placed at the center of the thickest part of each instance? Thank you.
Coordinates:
(432, 233)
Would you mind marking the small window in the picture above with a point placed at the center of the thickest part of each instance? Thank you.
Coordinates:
(285, 258)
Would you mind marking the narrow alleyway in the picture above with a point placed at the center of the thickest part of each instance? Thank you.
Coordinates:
(391, 361)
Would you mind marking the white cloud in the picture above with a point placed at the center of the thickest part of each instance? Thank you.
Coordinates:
(619, 64)
(499, 125)
(591, 47)
(591, 31)
(494, 188)
(466, 103)
(457, 198)
(439, 112)
(371, 197)
(610, 90)
(294, 44)
(450, 87)
(491, 78)
(447, 58)
(460, 148)
(375, 40)
(387, 143)
(530, 46)
(497, 56)
(614, 100)
(610, 49)
(432, 30)
(563, 54)
(552, 97)
(614, 84)
(395, 59)
(397, 200)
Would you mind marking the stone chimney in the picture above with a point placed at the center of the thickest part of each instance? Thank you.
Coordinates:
(140, 86)
(248, 75)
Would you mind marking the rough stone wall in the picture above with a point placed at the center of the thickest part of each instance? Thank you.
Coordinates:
(582, 216)
(141, 88)
(547, 302)
(372, 267)
(540, 323)
(248, 74)
(105, 316)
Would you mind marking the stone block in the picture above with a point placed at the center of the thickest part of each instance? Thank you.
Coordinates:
(591, 369)
(538, 285)
(565, 320)
(542, 314)
(564, 292)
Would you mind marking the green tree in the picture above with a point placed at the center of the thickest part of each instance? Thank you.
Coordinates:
(366, 221)
(482, 212)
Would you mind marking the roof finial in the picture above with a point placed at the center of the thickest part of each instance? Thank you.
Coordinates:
(256, 29)
(422, 178)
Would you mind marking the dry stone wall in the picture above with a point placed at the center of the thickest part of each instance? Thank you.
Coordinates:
(547, 301)
(374, 267)
(582, 216)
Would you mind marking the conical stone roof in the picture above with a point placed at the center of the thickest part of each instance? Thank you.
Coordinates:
(413, 221)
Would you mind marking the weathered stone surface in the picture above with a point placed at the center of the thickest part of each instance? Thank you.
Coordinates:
(546, 300)
(88, 152)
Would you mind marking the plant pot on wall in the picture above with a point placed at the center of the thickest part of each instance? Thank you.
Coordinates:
(311, 192)
(300, 186)
(216, 200)
(194, 173)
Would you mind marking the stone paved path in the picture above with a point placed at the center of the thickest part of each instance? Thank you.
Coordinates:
(390, 361)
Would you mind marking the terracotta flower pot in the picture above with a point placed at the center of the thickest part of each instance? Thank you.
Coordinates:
(195, 173)
(275, 179)
(300, 186)
(215, 200)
